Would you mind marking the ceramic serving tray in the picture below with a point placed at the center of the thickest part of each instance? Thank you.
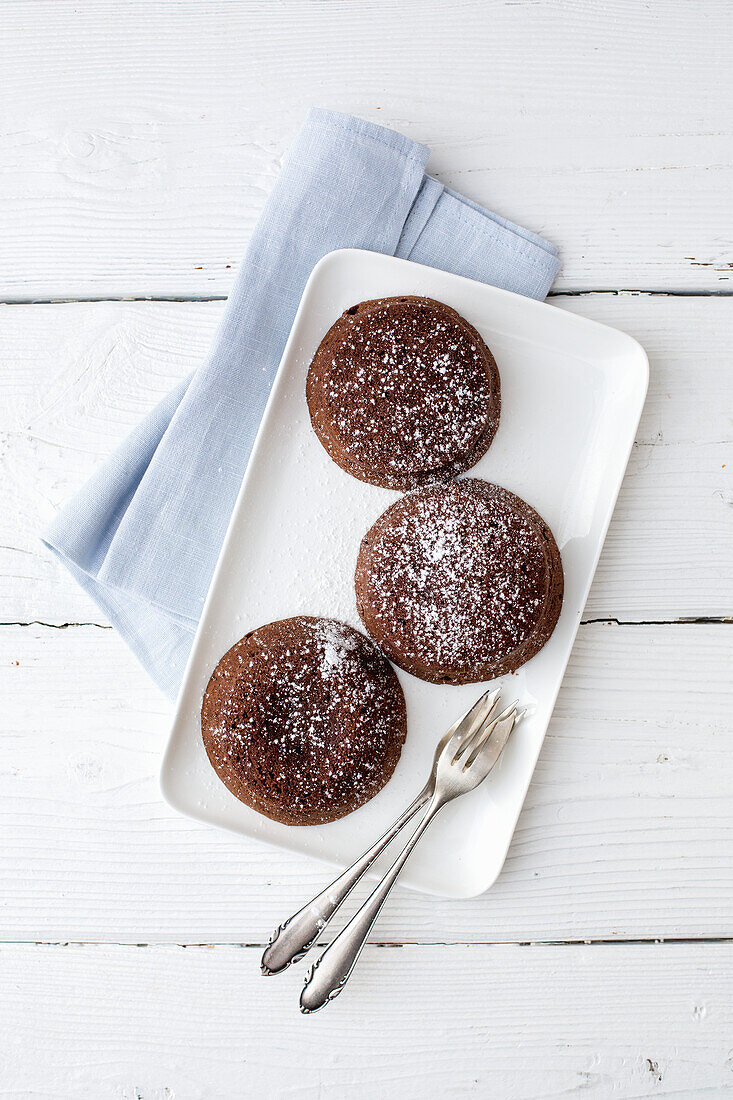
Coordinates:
(572, 394)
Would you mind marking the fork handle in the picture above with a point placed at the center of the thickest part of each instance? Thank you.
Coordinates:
(291, 940)
(330, 973)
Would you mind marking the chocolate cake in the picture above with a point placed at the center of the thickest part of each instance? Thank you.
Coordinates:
(403, 392)
(304, 720)
(459, 583)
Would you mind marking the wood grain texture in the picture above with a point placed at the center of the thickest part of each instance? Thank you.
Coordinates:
(510, 1022)
(627, 831)
(140, 139)
(77, 377)
(137, 146)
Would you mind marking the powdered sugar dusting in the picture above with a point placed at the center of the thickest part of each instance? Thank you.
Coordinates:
(338, 643)
(409, 392)
(303, 719)
(454, 577)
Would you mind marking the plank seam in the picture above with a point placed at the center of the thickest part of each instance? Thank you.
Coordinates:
(383, 944)
(704, 620)
(203, 298)
(57, 626)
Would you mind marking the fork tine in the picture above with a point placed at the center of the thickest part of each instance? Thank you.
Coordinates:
(474, 716)
(470, 749)
(478, 707)
(496, 737)
(463, 730)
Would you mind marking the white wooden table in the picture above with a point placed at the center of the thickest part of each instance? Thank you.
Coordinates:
(138, 143)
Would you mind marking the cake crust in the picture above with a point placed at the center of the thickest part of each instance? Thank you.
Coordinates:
(459, 583)
(403, 392)
(304, 720)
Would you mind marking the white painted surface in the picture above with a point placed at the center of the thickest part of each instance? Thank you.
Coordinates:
(629, 807)
(146, 134)
(77, 377)
(485, 1021)
(138, 144)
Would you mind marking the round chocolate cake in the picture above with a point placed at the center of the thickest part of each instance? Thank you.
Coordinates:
(403, 392)
(304, 720)
(459, 583)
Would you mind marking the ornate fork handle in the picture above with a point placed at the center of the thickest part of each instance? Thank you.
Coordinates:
(291, 940)
(332, 970)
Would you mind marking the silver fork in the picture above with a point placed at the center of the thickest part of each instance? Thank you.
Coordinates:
(290, 942)
(461, 764)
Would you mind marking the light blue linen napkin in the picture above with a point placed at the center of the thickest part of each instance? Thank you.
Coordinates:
(143, 535)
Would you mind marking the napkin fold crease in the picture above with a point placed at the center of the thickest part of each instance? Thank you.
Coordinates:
(143, 535)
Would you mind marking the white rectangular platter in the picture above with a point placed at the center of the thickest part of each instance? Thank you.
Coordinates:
(572, 394)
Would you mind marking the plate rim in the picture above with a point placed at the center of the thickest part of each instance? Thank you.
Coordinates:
(638, 365)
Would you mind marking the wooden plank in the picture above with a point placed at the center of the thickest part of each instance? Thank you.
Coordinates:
(512, 1022)
(627, 831)
(136, 162)
(77, 377)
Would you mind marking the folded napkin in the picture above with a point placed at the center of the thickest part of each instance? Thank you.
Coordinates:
(143, 535)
